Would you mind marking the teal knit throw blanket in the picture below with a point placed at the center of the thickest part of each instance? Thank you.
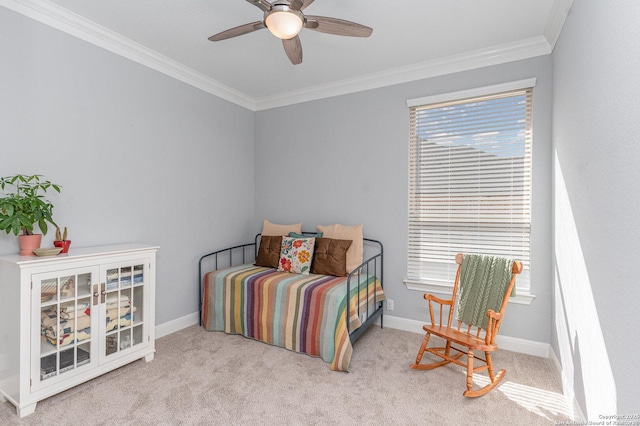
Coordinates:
(483, 281)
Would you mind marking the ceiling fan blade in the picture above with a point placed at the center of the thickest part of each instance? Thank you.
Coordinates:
(299, 4)
(264, 5)
(237, 31)
(336, 26)
(293, 48)
(306, 4)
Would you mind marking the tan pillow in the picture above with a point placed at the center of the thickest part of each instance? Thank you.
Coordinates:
(269, 228)
(354, 233)
(330, 257)
(269, 251)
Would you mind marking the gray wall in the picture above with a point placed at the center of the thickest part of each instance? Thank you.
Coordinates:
(345, 160)
(140, 156)
(596, 205)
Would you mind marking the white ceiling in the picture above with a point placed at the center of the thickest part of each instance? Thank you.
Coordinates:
(411, 39)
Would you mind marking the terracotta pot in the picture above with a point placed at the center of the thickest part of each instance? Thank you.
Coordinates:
(64, 244)
(28, 243)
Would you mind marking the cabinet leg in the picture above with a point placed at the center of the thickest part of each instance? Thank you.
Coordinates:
(149, 358)
(26, 410)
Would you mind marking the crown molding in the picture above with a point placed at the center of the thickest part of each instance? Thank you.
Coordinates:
(77, 26)
(524, 49)
(557, 17)
(73, 24)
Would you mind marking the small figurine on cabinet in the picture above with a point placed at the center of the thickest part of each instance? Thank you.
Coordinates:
(61, 240)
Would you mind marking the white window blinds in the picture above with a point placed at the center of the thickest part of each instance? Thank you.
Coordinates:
(469, 183)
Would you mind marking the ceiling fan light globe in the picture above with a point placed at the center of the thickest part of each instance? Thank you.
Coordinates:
(284, 23)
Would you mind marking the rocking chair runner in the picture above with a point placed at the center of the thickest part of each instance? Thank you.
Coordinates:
(487, 283)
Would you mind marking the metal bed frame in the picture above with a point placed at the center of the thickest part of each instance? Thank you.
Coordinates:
(247, 253)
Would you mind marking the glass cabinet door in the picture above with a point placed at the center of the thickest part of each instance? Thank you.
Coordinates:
(65, 325)
(124, 307)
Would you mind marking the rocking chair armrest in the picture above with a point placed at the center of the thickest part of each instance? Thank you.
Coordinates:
(431, 298)
(438, 300)
(493, 325)
(493, 315)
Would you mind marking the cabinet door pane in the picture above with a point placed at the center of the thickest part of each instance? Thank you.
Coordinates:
(138, 274)
(125, 276)
(67, 287)
(64, 323)
(112, 278)
(124, 307)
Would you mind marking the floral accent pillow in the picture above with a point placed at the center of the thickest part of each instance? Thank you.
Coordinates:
(296, 255)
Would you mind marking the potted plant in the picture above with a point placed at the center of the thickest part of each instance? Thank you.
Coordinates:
(61, 240)
(24, 206)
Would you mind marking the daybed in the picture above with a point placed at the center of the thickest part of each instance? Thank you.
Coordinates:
(303, 312)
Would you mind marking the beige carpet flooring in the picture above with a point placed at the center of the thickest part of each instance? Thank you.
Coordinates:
(210, 378)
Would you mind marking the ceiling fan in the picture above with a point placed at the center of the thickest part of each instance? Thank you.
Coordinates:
(284, 19)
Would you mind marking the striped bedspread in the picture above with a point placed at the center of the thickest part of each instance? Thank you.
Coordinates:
(302, 313)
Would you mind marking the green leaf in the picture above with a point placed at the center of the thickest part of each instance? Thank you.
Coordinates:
(8, 209)
(43, 226)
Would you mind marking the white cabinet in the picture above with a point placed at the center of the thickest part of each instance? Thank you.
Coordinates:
(69, 318)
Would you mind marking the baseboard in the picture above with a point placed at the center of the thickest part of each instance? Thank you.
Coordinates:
(177, 324)
(514, 344)
(509, 343)
(567, 389)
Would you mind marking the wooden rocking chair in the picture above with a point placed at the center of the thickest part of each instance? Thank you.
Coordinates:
(487, 283)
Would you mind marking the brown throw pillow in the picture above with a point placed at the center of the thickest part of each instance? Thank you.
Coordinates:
(353, 233)
(269, 251)
(330, 257)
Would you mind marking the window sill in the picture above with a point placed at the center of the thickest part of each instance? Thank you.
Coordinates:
(522, 298)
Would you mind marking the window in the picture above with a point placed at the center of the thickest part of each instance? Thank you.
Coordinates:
(469, 181)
